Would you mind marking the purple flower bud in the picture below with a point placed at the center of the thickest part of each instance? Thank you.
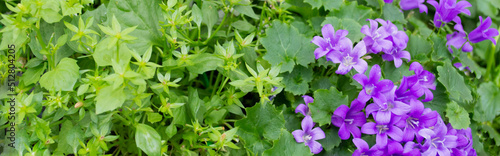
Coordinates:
(483, 32)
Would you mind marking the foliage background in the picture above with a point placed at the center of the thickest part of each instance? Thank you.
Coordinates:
(196, 79)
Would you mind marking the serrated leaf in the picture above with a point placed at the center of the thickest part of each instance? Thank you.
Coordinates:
(148, 140)
(328, 4)
(286, 46)
(468, 62)
(108, 99)
(419, 47)
(325, 103)
(63, 77)
(263, 122)
(331, 139)
(439, 48)
(393, 13)
(457, 115)
(489, 96)
(351, 10)
(297, 82)
(347, 24)
(440, 99)
(453, 82)
(286, 145)
(146, 15)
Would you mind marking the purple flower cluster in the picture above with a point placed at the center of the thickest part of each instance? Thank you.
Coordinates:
(402, 125)
(308, 135)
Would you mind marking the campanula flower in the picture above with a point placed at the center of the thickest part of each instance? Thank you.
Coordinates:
(383, 131)
(422, 81)
(349, 119)
(417, 119)
(375, 38)
(363, 148)
(448, 10)
(464, 141)
(396, 55)
(304, 108)
(331, 42)
(398, 38)
(437, 141)
(459, 41)
(412, 4)
(483, 31)
(308, 135)
(372, 87)
(383, 112)
(350, 58)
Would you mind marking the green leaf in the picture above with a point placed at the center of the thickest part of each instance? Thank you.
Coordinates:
(243, 26)
(493, 133)
(146, 15)
(263, 122)
(396, 74)
(32, 75)
(63, 77)
(439, 101)
(103, 56)
(148, 140)
(325, 103)
(286, 145)
(468, 62)
(393, 13)
(286, 46)
(353, 11)
(246, 10)
(197, 16)
(154, 117)
(347, 24)
(297, 82)
(328, 4)
(331, 139)
(108, 99)
(196, 105)
(457, 115)
(419, 47)
(439, 49)
(210, 15)
(204, 62)
(454, 82)
(489, 96)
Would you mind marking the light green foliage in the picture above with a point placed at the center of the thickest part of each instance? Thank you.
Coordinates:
(286, 145)
(63, 77)
(454, 82)
(457, 115)
(325, 103)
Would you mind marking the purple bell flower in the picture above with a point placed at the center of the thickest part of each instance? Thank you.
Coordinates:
(331, 42)
(458, 40)
(349, 120)
(304, 108)
(413, 4)
(483, 32)
(395, 55)
(350, 58)
(422, 81)
(437, 141)
(398, 38)
(364, 148)
(417, 119)
(375, 38)
(383, 112)
(448, 10)
(383, 131)
(372, 87)
(308, 135)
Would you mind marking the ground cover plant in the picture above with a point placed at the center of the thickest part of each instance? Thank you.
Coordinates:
(241, 77)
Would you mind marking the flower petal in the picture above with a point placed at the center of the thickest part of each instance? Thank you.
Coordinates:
(307, 124)
(361, 144)
(315, 147)
(369, 128)
(298, 135)
(303, 109)
(317, 134)
(344, 132)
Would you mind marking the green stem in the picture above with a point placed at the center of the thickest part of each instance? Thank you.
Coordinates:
(218, 28)
(222, 85)
(117, 51)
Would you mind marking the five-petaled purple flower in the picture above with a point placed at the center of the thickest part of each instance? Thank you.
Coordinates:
(363, 148)
(349, 120)
(448, 10)
(331, 42)
(437, 141)
(308, 135)
(383, 112)
(417, 119)
(412, 4)
(395, 55)
(375, 38)
(483, 32)
(350, 58)
(372, 87)
(304, 108)
(459, 41)
(422, 81)
(383, 131)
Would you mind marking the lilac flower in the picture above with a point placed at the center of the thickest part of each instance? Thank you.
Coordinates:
(459, 41)
(396, 54)
(417, 119)
(384, 111)
(411, 149)
(402, 93)
(375, 38)
(304, 108)
(437, 141)
(350, 58)
(448, 10)
(412, 4)
(398, 38)
(308, 135)
(349, 120)
(464, 141)
(383, 131)
(483, 32)
(363, 148)
(392, 148)
(372, 87)
(332, 42)
(388, 1)
(422, 81)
